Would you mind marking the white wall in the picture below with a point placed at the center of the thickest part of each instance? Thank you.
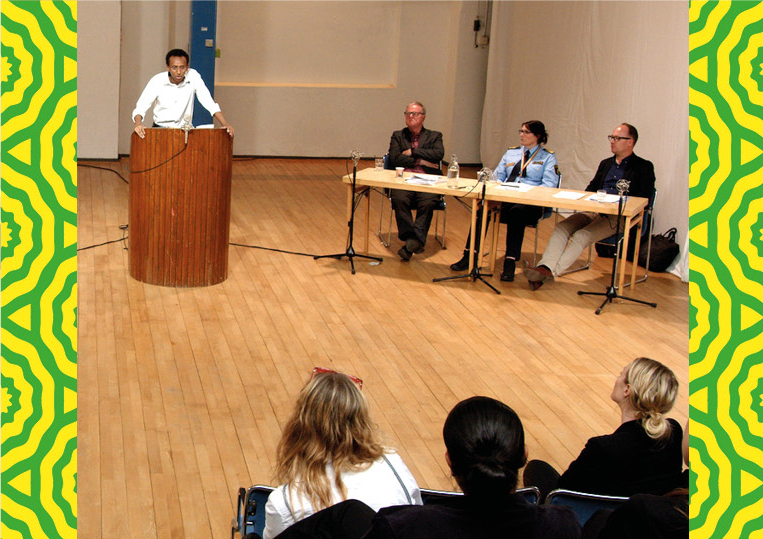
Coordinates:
(98, 74)
(583, 68)
(369, 59)
(349, 93)
(466, 94)
(149, 30)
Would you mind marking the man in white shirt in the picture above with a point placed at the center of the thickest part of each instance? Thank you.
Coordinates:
(173, 93)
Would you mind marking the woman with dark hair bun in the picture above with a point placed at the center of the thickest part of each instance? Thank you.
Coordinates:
(485, 445)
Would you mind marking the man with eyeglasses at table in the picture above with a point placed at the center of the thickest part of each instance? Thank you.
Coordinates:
(416, 149)
(574, 234)
(173, 94)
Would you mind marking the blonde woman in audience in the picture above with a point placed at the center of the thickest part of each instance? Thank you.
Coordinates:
(642, 456)
(329, 452)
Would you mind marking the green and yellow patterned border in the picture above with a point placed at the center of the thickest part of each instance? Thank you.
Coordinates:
(726, 264)
(38, 127)
(39, 312)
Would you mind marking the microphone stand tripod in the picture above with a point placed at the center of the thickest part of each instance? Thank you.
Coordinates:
(476, 273)
(611, 292)
(350, 252)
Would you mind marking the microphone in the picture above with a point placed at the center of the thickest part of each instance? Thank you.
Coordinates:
(622, 186)
(484, 174)
(186, 126)
(355, 155)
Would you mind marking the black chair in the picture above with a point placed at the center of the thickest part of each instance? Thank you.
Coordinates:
(616, 242)
(250, 511)
(583, 504)
(387, 194)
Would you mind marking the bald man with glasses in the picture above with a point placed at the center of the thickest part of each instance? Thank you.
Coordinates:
(574, 234)
(416, 149)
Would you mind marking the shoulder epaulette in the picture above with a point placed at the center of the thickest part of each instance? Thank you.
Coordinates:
(513, 148)
(549, 151)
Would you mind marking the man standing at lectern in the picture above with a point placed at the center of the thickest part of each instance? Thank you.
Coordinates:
(416, 149)
(173, 93)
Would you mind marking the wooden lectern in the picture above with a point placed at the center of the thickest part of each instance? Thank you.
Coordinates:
(180, 206)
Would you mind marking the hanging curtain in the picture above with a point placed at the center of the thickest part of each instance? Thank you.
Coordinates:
(582, 68)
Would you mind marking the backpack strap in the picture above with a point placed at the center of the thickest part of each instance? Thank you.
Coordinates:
(286, 501)
(394, 471)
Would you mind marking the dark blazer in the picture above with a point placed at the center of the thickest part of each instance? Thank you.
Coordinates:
(464, 517)
(639, 172)
(430, 148)
(647, 515)
(627, 462)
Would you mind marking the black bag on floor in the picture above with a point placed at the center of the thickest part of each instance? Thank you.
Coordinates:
(664, 251)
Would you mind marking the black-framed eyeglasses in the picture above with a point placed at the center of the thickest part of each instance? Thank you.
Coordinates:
(413, 114)
(525, 131)
(613, 138)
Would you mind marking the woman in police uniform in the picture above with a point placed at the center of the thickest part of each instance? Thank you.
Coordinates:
(529, 163)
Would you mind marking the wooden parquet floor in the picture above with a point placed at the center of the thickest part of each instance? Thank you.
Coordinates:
(182, 392)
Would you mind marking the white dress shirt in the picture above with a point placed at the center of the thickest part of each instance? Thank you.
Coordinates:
(174, 102)
(376, 486)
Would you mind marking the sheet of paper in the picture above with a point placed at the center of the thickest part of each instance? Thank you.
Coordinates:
(425, 179)
(608, 198)
(569, 195)
(514, 186)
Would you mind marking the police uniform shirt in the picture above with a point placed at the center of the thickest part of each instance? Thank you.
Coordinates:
(541, 170)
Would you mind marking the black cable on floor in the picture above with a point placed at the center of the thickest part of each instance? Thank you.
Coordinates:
(271, 249)
(104, 168)
(101, 244)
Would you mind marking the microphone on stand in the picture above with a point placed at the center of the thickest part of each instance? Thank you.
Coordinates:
(622, 186)
(186, 126)
(484, 175)
(355, 155)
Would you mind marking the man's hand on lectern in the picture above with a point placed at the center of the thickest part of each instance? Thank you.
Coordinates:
(220, 118)
(139, 126)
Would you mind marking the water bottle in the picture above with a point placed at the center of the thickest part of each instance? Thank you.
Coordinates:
(453, 170)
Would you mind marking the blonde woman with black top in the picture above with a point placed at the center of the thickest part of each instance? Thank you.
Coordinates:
(642, 456)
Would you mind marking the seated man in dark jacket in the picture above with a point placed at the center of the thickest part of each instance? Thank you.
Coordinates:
(574, 234)
(416, 149)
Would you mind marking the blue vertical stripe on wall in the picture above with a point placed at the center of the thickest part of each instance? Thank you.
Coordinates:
(203, 28)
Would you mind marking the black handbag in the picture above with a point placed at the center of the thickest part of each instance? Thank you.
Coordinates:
(664, 251)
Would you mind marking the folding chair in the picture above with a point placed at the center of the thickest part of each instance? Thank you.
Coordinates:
(250, 512)
(387, 194)
(646, 230)
(429, 496)
(584, 504)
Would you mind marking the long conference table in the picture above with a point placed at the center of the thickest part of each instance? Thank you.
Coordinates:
(633, 211)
